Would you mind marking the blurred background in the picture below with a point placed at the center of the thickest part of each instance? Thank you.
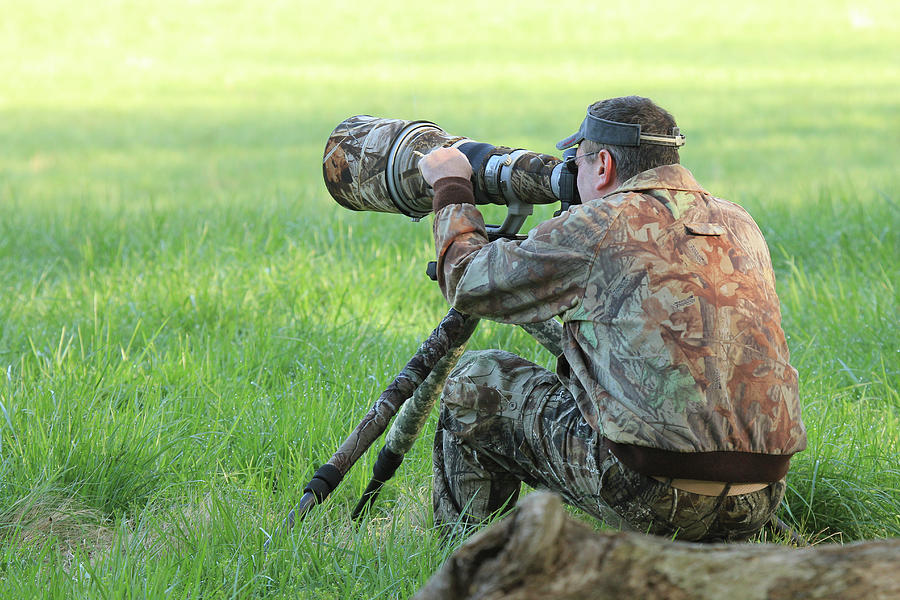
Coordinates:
(224, 97)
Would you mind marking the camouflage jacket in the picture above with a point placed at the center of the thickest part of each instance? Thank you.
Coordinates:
(672, 329)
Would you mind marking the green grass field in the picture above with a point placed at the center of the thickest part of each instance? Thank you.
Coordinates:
(189, 325)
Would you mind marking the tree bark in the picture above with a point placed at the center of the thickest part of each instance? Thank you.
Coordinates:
(539, 553)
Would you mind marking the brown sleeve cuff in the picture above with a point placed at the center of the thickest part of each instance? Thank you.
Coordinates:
(452, 190)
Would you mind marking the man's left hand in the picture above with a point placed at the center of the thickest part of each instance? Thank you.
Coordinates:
(444, 162)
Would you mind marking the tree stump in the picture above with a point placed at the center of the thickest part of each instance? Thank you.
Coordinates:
(539, 553)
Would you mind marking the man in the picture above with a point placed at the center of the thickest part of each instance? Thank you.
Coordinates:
(673, 410)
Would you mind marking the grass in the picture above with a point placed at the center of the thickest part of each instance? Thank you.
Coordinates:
(189, 325)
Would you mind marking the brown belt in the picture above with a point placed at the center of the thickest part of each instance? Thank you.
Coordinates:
(712, 488)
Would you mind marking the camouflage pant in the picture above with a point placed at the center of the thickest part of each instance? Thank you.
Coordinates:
(505, 421)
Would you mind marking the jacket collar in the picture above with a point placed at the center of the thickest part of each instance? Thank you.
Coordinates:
(668, 177)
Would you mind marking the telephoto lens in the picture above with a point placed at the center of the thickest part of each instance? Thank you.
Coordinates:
(371, 164)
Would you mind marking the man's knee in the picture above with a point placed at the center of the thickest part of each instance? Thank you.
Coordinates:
(491, 381)
(472, 388)
(482, 364)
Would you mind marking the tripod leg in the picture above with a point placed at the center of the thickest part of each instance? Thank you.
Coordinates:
(414, 413)
(548, 334)
(329, 475)
(410, 420)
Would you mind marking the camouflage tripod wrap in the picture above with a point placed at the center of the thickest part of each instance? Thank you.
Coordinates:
(453, 328)
(413, 415)
(547, 333)
(411, 419)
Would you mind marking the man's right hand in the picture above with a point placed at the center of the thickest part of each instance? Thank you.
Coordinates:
(444, 162)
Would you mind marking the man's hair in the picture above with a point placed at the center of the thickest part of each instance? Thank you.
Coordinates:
(631, 160)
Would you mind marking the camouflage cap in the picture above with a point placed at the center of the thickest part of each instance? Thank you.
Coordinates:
(613, 133)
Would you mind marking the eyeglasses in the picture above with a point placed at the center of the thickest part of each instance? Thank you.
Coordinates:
(572, 159)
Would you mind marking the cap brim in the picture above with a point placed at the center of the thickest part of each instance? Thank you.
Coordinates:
(570, 141)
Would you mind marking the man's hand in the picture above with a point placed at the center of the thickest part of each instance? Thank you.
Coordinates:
(444, 162)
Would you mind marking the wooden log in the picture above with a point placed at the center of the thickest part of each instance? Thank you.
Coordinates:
(539, 552)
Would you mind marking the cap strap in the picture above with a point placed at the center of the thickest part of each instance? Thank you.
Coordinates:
(676, 139)
(613, 133)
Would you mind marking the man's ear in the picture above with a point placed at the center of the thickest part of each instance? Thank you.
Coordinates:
(606, 169)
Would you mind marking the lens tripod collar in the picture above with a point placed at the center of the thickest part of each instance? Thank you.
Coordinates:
(614, 133)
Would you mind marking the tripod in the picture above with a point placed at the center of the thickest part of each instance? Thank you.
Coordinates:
(413, 393)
